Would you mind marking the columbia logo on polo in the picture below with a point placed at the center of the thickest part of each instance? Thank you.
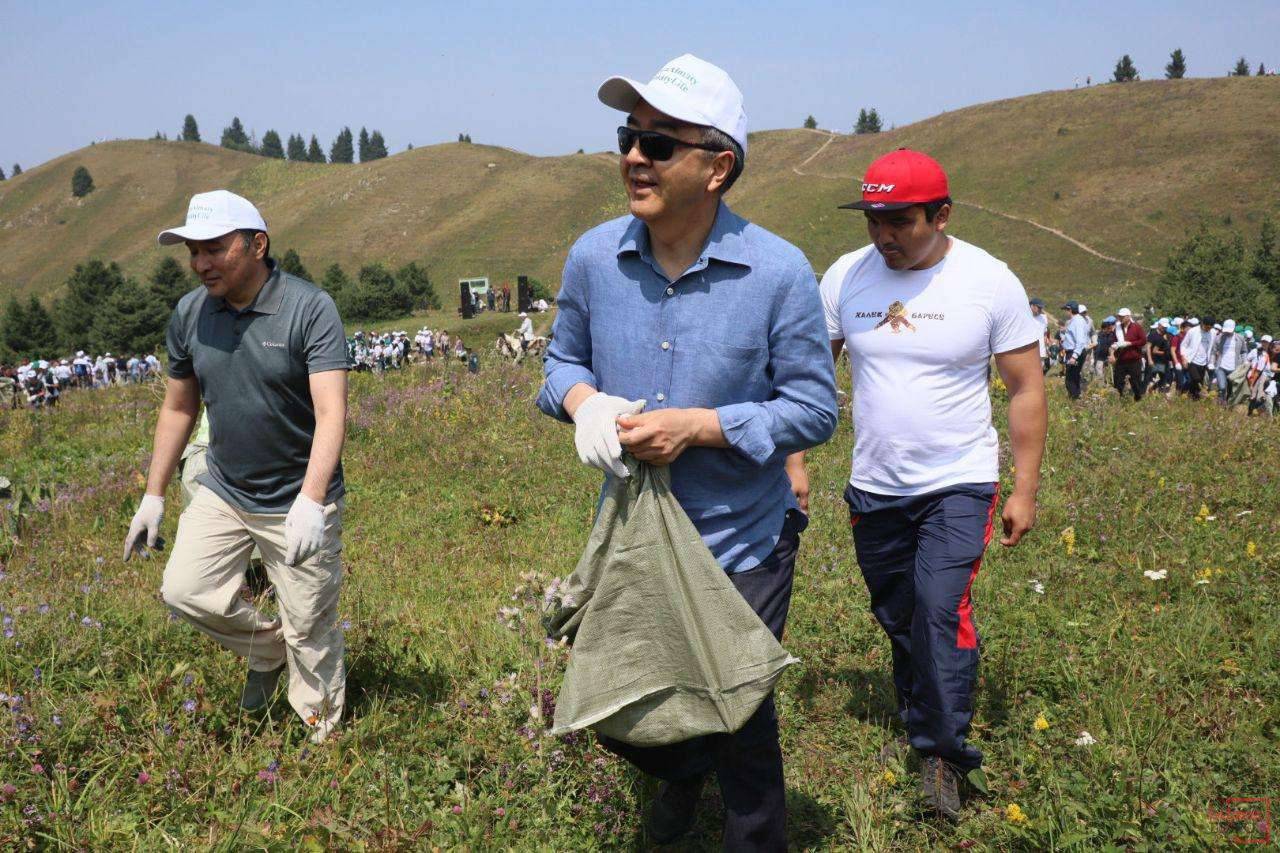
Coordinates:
(273, 345)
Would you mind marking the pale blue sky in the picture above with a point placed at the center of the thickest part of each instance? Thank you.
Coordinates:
(524, 75)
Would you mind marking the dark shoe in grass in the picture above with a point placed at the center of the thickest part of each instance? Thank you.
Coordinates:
(673, 810)
(259, 687)
(940, 787)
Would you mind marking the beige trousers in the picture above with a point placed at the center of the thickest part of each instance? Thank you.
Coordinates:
(202, 583)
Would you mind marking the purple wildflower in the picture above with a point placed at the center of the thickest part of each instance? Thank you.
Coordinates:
(189, 706)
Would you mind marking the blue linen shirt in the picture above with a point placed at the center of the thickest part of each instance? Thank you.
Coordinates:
(1076, 337)
(741, 332)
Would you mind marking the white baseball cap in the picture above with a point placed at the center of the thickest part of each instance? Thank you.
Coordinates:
(687, 88)
(1195, 321)
(1229, 326)
(212, 214)
(1266, 339)
(1124, 312)
(1083, 308)
(1177, 321)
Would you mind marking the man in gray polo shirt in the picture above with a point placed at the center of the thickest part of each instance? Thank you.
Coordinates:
(265, 350)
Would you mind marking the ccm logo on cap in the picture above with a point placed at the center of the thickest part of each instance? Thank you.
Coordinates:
(878, 188)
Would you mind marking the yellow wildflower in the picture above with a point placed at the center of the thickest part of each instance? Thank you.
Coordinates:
(1160, 485)
(1251, 550)
(1068, 538)
(1014, 814)
(1041, 723)
(889, 778)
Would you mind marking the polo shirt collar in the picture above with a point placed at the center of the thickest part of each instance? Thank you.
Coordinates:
(725, 242)
(266, 302)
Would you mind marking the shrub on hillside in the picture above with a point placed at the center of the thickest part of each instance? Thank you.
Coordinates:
(1125, 72)
(413, 279)
(374, 296)
(1210, 274)
(292, 264)
(81, 182)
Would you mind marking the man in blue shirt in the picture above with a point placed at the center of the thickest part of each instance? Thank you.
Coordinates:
(1075, 340)
(691, 338)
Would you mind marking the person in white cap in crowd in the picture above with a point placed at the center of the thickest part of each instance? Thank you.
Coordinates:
(525, 331)
(1130, 353)
(1261, 368)
(1227, 355)
(1194, 350)
(713, 327)
(266, 352)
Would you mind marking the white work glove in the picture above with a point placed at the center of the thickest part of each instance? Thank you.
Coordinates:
(145, 521)
(303, 530)
(596, 431)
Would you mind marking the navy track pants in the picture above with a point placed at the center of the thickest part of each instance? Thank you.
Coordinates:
(919, 555)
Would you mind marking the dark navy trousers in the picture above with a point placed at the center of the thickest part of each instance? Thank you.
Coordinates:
(919, 555)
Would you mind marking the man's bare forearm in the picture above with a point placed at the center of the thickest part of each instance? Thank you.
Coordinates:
(1028, 426)
(173, 429)
(329, 395)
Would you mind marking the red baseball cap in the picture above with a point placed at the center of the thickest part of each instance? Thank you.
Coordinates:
(900, 179)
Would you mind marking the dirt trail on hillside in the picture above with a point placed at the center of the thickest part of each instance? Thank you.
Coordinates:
(831, 137)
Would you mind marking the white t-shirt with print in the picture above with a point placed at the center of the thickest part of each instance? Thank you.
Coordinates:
(920, 344)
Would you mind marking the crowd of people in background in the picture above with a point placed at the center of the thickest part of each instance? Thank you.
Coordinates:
(379, 352)
(39, 384)
(1197, 357)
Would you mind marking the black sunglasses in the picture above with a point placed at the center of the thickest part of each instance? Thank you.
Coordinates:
(654, 145)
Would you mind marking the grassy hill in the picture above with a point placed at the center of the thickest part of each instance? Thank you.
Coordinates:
(1124, 170)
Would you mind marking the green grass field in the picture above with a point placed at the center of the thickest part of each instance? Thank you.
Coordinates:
(121, 729)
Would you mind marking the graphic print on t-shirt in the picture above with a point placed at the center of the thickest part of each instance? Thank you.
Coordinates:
(896, 317)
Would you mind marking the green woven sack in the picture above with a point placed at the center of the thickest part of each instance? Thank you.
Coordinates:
(664, 647)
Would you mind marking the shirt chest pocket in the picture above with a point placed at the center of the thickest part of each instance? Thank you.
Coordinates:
(721, 373)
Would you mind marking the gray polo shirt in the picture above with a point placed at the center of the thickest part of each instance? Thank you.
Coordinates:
(253, 367)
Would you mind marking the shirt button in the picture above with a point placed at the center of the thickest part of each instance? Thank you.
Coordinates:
(666, 344)
(661, 396)
(671, 291)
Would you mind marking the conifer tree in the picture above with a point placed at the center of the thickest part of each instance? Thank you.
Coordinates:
(292, 264)
(342, 150)
(81, 182)
(1125, 72)
(315, 154)
(17, 170)
(1, 174)
(169, 281)
(234, 137)
(1177, 67)
(1241, 69)
(873, 121)
(1266, 258)
(271, 146)
(811, 123)
(362, 147)
(377, 146)
(1262, 70)
(297, 148)
(190, 131)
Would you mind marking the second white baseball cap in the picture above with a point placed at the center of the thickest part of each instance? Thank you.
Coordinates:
(687, 88)
(212, 214)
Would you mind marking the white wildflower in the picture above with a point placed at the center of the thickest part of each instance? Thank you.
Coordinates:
(1085, 739)
(1156, 575)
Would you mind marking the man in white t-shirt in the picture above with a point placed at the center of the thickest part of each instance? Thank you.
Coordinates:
(921, 315)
